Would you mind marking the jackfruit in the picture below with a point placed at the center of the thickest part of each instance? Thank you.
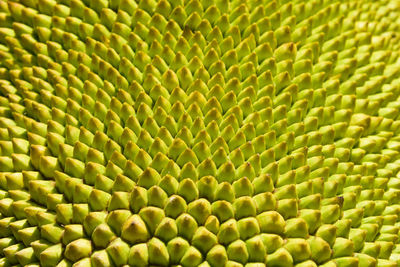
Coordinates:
(199, 133)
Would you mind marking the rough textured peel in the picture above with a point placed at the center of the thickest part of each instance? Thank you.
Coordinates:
(200, 133)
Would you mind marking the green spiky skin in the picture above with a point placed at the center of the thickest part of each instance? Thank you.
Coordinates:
(200, 133)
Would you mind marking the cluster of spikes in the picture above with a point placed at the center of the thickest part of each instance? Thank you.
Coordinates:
(204, 133)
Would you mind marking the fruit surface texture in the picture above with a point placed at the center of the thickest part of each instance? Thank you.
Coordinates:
(212, 133)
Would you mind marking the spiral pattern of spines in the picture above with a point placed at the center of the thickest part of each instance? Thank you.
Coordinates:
(199, 133)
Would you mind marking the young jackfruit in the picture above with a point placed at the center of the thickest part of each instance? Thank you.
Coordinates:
(199, 133)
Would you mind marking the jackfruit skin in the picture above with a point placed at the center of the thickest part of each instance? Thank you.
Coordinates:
(199, 133)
